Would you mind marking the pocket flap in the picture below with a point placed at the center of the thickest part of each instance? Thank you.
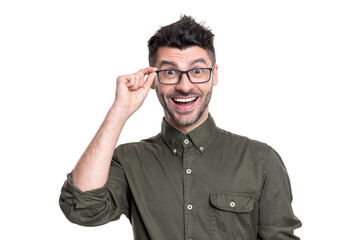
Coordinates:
(233, 202)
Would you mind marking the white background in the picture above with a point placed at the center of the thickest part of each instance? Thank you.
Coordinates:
(288, 76)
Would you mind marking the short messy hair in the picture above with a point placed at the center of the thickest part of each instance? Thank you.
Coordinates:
(182, 34)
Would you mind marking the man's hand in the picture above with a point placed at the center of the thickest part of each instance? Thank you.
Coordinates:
(131, 90)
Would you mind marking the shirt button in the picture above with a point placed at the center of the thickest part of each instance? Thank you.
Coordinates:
(188, 171)
(232, 204)
(186, 141)
(201, 148)
(189, 206)
(174, 151)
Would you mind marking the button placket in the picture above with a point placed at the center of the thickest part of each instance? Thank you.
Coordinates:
(189, 161)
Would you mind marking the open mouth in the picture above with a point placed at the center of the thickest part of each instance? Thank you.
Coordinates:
(184, 104)
(184, 100)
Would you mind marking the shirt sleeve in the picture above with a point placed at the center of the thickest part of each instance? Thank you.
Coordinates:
(276, 218)
(98, 206)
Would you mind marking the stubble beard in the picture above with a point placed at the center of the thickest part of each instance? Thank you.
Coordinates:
(172, 114)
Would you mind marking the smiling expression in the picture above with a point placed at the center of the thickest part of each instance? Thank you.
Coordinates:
(185, 104)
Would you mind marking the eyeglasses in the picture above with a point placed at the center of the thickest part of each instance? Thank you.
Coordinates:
(195, 75)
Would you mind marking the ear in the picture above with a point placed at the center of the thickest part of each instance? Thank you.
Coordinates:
(215, 75)
(153, 84)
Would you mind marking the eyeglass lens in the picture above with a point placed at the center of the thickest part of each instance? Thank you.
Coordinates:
(197, 75)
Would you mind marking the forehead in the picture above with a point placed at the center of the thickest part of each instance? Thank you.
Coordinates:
(184, 57)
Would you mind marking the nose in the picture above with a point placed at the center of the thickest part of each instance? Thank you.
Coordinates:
(185, 84)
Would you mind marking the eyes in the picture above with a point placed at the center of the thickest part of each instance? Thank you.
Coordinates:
(169, 72)
(195, 75)
(192, 72)
(196, 71)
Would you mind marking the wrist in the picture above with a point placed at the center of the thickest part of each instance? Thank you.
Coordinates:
(119, 110)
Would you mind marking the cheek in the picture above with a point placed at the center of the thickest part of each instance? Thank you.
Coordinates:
(162, 90)
(206, 88)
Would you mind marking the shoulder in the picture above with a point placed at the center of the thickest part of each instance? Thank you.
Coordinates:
(254, 149)
(236, 139)
(136, 148)
(138, 145)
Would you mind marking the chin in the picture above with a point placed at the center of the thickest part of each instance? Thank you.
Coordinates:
(186, 120)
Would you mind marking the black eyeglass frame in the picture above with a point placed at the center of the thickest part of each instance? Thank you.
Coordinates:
(187, 74)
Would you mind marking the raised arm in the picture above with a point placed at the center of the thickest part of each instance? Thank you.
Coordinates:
(92, 169)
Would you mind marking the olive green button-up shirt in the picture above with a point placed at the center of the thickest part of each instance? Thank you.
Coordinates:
(208, 184)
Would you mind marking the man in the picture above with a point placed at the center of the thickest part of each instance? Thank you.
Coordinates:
(191, 181)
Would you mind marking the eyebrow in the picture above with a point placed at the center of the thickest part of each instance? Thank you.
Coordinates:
(199, 60)
(175, 65)
(164, 62)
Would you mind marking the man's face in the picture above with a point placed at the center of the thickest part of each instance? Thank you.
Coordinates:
(185, 104)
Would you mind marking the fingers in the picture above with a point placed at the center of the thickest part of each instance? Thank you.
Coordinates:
(140, 76)
(134, 81)
(147, 70)
(137, 80)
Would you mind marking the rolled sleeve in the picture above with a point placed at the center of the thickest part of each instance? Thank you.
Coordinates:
(98, 206)
(276, 217)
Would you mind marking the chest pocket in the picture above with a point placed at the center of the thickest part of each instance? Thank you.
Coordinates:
(230, 215)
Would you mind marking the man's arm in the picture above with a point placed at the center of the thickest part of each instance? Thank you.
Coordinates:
(92, 169)
(97, 192)
(276, 217)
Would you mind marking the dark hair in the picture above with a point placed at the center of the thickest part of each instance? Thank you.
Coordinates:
(182, 34)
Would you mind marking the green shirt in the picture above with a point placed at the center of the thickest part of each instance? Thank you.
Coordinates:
(208, 184)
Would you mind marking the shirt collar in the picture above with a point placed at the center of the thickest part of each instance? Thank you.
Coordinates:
(201, 137)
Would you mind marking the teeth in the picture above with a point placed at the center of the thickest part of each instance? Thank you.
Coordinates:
(184, 99)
